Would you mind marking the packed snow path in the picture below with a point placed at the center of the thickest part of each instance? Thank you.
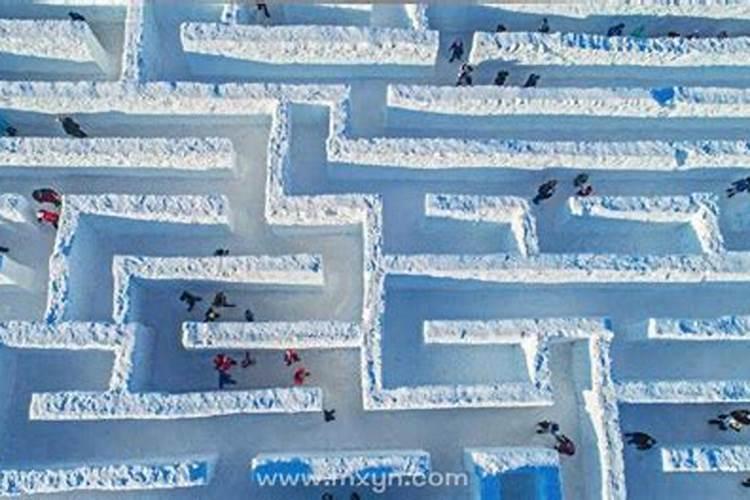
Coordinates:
(380, 221)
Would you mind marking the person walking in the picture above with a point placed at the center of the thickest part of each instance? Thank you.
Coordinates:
(641, 440)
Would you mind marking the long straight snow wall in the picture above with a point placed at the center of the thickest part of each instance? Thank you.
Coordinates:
(331, 466)
(415, 101)
(117, 477)
(312, 45)
(118, 155)
(568, 49)
(436, 154)
(26, 43)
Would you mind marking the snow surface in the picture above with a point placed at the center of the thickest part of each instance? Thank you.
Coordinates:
(130, 476)
(367, 214)
(332, 466)
(312, 44)
(126, 155)
(706, 459)
(42, 39)
(597, 50)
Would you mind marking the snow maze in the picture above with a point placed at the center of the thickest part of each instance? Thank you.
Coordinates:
(380, 221)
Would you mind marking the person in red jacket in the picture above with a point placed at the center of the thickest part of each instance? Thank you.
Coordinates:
(48, 216)
(291, 356)
(223, 363)
(564, 445)
(300, 374)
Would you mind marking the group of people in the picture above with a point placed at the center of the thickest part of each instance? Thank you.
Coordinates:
(50, 202)
(563, 444)
(71, 127)
(223, 363)
(738, 186)
(465, 71)
(734, 420)
(547, 189)
(619, 30)
(220, 301)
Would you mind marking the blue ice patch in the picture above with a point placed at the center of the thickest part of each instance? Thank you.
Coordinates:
(663, 96)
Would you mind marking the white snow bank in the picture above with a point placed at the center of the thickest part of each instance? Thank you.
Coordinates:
(510, 210)
(271, 335)
(570, 49)
(444, 153)
(576, 268)
(15, 209)
(493, 461)
(602, 407)
(147, 475)
(510, 331)
(115, 405)
(130, 344)
(163, 98)
(706, 458)
(684, 391)
(265, 270)
(434, 397)
(53, 39)
(340, 465)
(180, 209)
(715, 9)
(311, 44)
(119, 155)
(666, 102)
(700, 211)
(721, 328)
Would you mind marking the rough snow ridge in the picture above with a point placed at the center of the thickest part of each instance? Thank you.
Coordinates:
(722, 328)
(41, 40)
(417, 14)
(601, 403)
(706, 458)
(700, 211)
(263, 270)
(510, 210)
(336, 465)
(134, 476)
(271, 335)
(684, 391)
(666, 102)
(123, 155)
(688, 8)
(119, 405)
(186, 209)
(576, 268)
(312, 45)
(136, 45)
(597, 50)
(440, 154)
(493, 461)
